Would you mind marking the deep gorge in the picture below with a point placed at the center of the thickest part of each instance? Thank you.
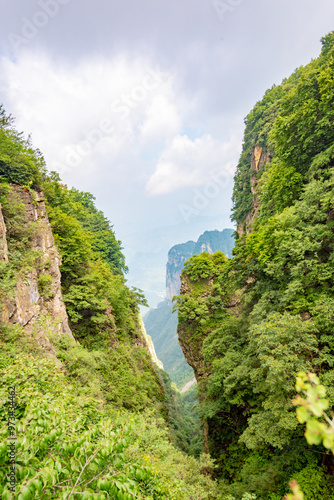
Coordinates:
(96, 418)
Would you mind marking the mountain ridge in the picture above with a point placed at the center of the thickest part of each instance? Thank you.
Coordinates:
(161, 322)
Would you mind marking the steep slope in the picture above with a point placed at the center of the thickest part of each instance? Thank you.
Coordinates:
(31, 297)
(161, 322)
(177, 256)
(37, 291)
(82, 407)
(161, 326)
(209, 241)
(214, 241)
(248, 326)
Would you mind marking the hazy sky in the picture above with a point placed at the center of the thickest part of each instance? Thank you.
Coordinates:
(142, 102)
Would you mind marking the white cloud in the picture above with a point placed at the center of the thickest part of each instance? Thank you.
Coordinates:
(189, 163)
(162, 120)
(86, 114)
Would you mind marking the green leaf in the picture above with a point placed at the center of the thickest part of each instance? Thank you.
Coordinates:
(302, 414)
(26, 494)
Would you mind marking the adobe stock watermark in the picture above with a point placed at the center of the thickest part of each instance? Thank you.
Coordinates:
(49, 9)
(122, 108)
(203, 196)
(224, 7)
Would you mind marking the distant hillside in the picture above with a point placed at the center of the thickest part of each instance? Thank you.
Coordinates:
(177, 256)
(212, 241)
(161, 323)
(209, 241)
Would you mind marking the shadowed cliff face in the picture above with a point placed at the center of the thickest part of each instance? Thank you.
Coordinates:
(192, 344)
(36, 302)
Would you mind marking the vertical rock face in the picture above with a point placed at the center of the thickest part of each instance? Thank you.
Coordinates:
(212, 241)
(30, 306)
(149, 344)
(3, 240)
(259, 159)
(161, 322)
(192, 349)
(191, 346)
(177, 256)
(209, 241)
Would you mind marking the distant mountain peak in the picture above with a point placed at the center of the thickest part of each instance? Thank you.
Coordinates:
(209, 241)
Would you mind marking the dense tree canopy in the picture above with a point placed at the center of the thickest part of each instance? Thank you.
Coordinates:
(275, 299)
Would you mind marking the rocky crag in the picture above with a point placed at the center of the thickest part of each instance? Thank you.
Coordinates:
(161, 322)
(35, 303)
(209, 241)
(248, 326)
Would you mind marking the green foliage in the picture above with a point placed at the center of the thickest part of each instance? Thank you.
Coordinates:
(312, 483)
(111, 361)
(19, 162)
(303, 128)
(283, 345)
(312, 408)
(122, 375)
(67, 446)
(183, 419)
(19, 233)
(201, 266)
(246, 496)
(279, 186)
(258, 124)
(77, 208)
(161, 322)
(197, 307)
(293, 124)
(45, 287)
(309, 483)
(268, 314)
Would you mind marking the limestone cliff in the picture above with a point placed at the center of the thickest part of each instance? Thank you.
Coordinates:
(209, 241)
(161, 322)
(192, 349)
(177, 256)
(212, 241)
(259, 159)
(3, 239)
(28, 305)
(150, 344)
(35, 303)
(192, 346)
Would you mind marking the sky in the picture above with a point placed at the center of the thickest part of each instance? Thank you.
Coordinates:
(142, 103)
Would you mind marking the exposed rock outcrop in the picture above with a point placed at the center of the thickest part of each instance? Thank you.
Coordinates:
(149, 344)
(191, 340)
(209, 241)
(192, 346)
(177, 256)
(30, 306)
(260, 157)
(3, 239)
(161, 322)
